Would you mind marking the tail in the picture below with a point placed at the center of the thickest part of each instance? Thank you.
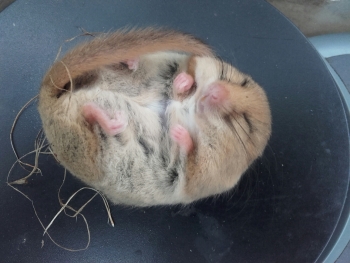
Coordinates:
(117, 47)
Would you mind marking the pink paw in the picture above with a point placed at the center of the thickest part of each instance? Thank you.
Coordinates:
(93, 113)
(133, 64)
(183, 82)
(180, 135)
(116, 125)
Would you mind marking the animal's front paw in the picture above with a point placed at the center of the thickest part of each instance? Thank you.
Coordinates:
(183, 82)
(180, 135)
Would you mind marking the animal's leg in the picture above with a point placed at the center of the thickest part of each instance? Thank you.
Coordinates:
(93, 113)
(183, 82)
(180, 135)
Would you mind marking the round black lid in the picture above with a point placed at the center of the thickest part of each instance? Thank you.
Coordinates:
(285, 209)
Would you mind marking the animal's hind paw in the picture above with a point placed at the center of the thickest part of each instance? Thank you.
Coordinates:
(180, 135)
(111, 126)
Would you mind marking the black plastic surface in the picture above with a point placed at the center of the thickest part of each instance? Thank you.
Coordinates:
(341, 65)
(284, 210)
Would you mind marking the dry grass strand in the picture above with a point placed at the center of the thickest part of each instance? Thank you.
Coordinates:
(40, 147)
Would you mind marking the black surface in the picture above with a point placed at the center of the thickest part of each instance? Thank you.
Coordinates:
(345, 255)
(341, 65)
(5, 3)
(284, 210)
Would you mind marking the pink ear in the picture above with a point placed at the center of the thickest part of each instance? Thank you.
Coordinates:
(94, 114)
(133, 64)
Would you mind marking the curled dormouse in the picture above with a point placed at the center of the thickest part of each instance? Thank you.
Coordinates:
(151, 117)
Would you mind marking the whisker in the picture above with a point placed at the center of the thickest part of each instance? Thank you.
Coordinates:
(252, 117)
(242, 116)
(227, 68)
(231, 74)
(248, 134)
(227, 120)
(222, 69)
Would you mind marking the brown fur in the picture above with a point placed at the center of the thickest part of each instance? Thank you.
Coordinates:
(116, 47)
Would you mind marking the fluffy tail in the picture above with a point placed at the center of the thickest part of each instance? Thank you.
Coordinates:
(117, 47)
